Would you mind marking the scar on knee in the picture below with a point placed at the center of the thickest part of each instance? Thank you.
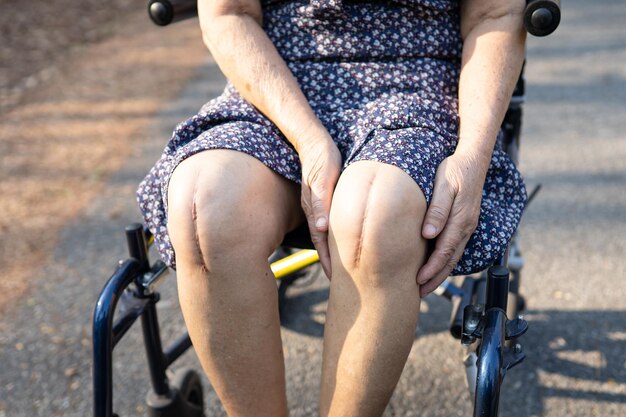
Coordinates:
(359, 247)
(194, 217)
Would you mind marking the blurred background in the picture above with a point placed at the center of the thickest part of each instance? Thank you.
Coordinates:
(89, 94)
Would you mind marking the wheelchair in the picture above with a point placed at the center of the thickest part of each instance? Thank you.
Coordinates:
(481, 305)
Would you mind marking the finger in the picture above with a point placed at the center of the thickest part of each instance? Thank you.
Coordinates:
(321, 196)
(319, 239)
(446, 247)
(438, 210)
(432, 285)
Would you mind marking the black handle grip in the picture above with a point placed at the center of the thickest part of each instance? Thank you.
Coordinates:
(542, 17)
(164, 12)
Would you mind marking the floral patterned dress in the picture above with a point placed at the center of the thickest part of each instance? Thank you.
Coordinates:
(382, 77)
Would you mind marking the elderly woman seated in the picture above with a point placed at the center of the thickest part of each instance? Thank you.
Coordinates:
(375, 122)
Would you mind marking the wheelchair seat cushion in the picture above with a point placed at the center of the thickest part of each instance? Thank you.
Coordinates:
(382, 77)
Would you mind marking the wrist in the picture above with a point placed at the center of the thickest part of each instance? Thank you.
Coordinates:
(475, 156)
(473, 164)
(314, 136)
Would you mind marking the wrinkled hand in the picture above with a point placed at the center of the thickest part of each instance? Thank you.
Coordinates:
(452, 216)
(321, 165)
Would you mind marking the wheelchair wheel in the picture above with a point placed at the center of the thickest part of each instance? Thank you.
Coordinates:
(188, 383)
(186, 399)
(490, 365)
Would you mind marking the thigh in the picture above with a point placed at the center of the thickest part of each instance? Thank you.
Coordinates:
(224, 199)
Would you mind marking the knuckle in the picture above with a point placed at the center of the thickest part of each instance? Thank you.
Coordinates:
(437, 213)
(451, 192)
(472, 218)
(460, 228)
(473, 224)
(465, 232)
(467, 221)
(437, 266)
(317, 239)
(317, 204)
(454, 260)
(316, 175)
(438, 210)
(447, 252)
(450, 265)
(469, 228)
(306, 206)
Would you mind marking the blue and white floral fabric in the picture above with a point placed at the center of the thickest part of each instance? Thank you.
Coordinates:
(382, 77)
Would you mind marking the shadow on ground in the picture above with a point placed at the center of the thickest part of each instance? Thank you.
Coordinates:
(577, 355)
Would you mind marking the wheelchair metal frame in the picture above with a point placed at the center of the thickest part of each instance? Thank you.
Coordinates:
(479, 306)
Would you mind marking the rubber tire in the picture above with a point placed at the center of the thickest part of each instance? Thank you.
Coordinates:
(188, 383)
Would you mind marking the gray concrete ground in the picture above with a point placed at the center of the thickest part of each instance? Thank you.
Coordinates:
(573, 238)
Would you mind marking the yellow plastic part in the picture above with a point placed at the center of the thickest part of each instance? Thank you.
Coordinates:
(288, 265)
(295, 262)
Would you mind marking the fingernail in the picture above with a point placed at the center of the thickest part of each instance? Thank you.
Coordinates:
(321, 222)
(430, 230)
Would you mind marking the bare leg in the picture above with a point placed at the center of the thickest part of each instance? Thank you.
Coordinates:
(227, 212)
(376, 251)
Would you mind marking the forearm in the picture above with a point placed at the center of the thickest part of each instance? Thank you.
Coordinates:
(250, 61)
(493, 55)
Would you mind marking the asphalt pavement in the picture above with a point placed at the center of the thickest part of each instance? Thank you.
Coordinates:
(573, 238)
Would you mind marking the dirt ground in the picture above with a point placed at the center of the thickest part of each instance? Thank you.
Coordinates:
(79, 82)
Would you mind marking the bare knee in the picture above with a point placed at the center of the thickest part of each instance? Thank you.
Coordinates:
(214, 218)
(376, 219)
